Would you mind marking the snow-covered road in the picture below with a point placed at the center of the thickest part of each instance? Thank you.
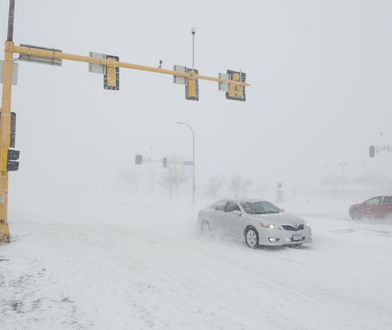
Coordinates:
(138, 266)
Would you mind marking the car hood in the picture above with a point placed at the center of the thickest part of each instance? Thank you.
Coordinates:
(279, 218)
(356, 205)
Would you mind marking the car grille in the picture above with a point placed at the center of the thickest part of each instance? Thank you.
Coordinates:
(293, 228)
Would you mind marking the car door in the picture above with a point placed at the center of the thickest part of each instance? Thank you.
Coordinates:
(371, 208)
(233, 220)
(217, 216)
(386, 207)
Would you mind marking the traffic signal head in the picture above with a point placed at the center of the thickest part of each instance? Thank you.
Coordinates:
(236, 92)
(12, 166)
(13, 129)
(139, 159)
(164, 162)
(9, 160)
(190, 81)
(372, 151)
(112, 75)
(192, 86)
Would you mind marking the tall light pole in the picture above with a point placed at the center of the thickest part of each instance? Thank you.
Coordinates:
(343, 165)
(193, 161)
(193, 31)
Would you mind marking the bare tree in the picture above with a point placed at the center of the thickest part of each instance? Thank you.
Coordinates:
(238, 186)
(215, 185)
(175, 175)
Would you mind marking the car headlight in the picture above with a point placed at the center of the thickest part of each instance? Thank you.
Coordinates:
(307, 224)
(268, 225)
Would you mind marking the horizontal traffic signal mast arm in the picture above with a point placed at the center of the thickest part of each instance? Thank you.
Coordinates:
(49, 54)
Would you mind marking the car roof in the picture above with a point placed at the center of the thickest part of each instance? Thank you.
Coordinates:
(379, 196)
(242, 200)
(247, 200)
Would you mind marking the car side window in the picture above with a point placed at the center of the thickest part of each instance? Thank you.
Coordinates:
(220, 206)
(231, 206)
(373, 201)
(387, 200)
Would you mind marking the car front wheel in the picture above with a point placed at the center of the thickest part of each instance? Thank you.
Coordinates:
(356, 215)
(251, 238)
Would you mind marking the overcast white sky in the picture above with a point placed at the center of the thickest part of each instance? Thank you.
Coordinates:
(321, 75)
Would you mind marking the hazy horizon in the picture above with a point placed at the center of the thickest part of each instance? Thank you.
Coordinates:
(320, 94)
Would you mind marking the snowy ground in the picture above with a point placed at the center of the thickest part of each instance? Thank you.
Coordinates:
(137, 266)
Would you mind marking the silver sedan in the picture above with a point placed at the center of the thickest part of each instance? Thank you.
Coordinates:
(254, 221)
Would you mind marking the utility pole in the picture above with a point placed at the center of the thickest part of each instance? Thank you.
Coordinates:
(343, 165)
(109, 66)
(5, 125)
(193, 161)
(193, 48)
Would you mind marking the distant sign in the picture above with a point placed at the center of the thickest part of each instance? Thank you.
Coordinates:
(14, 72)
(223, 86)
(139, 159)
(39, 59)
(97, 68)
(180, 79)
(188, 163)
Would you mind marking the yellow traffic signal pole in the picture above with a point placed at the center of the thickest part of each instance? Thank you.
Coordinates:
(57, 55)
(5, 130)
(5, 127)
(52, 55)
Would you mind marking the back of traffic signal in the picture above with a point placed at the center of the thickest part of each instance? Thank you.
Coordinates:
(9, 157)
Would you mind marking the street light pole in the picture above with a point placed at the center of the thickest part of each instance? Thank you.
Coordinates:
(343, 165)
(11, 15)
(193, 161)
(193, 48)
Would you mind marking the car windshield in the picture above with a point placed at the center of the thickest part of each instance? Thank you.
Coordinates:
(260, 207)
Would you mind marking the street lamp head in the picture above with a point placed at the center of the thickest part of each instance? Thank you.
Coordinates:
(193, 31)
(185, 124)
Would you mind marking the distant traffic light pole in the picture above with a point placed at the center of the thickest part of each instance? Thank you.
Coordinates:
(232, 82)
(376, 149)
(193, 160)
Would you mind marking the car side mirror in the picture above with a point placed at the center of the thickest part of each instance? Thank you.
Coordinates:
(237, 212)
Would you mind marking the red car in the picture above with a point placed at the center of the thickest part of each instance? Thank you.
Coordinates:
(376, 207)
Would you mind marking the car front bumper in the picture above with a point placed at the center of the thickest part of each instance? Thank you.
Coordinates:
(279, 237)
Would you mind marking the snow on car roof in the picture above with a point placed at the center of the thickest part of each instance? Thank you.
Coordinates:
(249, 200)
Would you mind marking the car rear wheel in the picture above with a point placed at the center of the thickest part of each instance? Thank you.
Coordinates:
(251, 238)
(206, 229)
